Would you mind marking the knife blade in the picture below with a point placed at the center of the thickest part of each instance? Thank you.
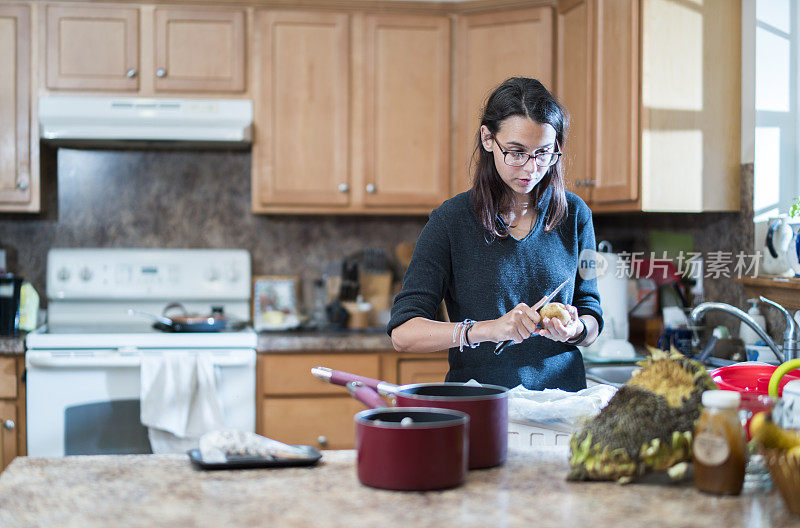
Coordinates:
(501, 346)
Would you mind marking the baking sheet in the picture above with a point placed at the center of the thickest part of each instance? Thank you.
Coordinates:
(252, 462)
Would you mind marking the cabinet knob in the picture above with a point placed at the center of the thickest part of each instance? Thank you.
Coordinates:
(130, 74)
(371, 188)
(22, 185)
(579, 183)
(161, 73)
(589, 183)
(343, 187)
(322, 441)
(9, 425)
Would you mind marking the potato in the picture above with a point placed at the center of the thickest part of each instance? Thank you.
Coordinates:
(556, 310)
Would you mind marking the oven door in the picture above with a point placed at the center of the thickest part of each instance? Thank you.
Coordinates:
(87, 402)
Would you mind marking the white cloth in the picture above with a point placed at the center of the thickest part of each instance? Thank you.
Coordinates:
(179, 401)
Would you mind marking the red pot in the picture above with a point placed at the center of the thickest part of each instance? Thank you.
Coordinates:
(486, 405)
(409, 449)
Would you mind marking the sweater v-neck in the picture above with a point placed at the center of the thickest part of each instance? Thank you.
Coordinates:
(540, 210)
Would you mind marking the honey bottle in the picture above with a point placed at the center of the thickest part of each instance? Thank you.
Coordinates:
(719, 444)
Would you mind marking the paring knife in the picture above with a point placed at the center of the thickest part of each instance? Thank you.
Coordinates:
(501, 346)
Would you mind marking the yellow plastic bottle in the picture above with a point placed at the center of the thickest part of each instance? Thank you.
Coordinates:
(719, 445)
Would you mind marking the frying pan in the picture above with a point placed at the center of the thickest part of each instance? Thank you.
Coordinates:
(186, 322)
(409, 448)
(486, 405)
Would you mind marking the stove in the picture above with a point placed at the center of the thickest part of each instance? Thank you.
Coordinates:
(83, 366)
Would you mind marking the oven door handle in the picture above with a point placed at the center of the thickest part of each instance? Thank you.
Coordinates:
(121, 361)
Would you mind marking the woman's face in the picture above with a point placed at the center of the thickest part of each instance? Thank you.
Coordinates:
(519, 134)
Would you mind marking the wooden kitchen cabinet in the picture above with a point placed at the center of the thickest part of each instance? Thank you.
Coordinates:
(294, 407)
(405, 131)
(199, 50)
(92, 48)
(12, 408)
(658, 121)
(376, 140)
(104, 48)
(490, 48)
(302, 100)
(19, 148)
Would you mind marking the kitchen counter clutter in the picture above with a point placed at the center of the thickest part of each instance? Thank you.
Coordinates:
(529, 490)
(12, 344)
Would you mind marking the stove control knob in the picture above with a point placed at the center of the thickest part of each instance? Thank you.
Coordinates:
(63, 274)
(212, 274)
(85, 274)
(233, 275)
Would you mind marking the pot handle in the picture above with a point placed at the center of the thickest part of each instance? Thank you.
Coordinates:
(365, 394)
(338, 377)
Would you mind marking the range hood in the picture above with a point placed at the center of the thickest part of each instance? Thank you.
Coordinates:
(109, 120)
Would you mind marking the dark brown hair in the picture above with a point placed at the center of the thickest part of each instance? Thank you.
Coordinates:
(491, 197)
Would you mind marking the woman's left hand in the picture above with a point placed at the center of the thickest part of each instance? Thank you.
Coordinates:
(556, 330)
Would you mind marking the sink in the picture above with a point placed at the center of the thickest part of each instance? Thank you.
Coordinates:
(611, 374)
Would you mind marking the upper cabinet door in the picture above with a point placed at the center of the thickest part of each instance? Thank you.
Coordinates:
(15, 112)
(406, 110)
(301, 152)
(616, 63)
(490, 48)
(199, 50)
(92, 48)
(574, 90)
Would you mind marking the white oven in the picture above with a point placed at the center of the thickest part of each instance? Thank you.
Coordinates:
(83, 368)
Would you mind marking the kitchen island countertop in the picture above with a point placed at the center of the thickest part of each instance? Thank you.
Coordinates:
(529, 490)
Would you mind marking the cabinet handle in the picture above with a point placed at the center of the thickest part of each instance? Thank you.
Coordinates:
(9, 425)
(343, 187)
(589, 183)
(322, 441)
(371, 188)
(22, 185)
(161, 73)
(130, 74)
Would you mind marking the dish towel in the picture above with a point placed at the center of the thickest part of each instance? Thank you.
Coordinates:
(179, 401)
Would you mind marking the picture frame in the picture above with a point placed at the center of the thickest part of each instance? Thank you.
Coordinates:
(274, 303)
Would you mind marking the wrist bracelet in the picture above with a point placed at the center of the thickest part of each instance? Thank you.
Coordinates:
(460, 334)
(580, 337)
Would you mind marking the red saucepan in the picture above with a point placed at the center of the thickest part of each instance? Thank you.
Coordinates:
(409, 448)
(486, 405)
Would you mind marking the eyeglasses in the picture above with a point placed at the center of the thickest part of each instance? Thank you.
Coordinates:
(518, 159)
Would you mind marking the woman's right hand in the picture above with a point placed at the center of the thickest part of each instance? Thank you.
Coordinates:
(517, 325)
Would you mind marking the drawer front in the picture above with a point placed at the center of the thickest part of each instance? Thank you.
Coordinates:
(291, 373)
(322, 422)
(8, 377)
(422, 370)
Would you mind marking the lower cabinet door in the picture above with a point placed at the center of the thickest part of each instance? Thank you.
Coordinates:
(8, 433)
(323, 422)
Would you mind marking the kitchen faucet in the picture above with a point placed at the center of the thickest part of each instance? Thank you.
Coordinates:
(789, 334)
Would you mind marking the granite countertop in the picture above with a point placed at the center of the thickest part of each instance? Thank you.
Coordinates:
(304, 340)
(12, 345)
(530, 490)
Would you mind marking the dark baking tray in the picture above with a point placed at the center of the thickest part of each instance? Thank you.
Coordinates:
(252, 462)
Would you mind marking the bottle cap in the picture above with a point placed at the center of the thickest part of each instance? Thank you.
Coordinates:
(721, 399)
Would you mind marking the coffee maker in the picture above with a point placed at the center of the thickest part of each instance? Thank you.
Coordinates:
(10, 287)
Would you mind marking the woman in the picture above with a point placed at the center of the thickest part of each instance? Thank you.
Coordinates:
(512, 239)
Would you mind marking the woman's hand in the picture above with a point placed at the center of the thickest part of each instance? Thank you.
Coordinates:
(517, 325)
(556, 330)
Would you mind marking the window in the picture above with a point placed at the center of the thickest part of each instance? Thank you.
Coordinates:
(776, 181)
